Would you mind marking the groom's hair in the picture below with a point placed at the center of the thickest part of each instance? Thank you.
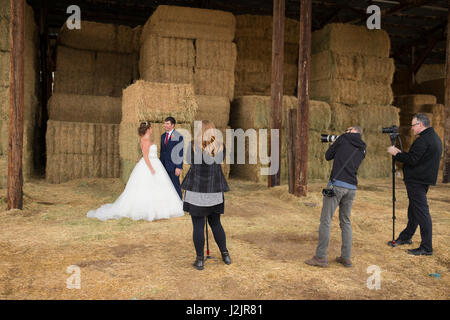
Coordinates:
(171, 119)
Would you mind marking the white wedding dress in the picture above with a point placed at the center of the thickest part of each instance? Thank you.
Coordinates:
(146, 196)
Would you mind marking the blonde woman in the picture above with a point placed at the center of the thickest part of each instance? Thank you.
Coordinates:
(204, 187)
(149, 193)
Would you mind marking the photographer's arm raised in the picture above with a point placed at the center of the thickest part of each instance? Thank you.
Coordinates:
(331, 152)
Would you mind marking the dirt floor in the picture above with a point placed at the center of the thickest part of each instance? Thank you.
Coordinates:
(269, 235)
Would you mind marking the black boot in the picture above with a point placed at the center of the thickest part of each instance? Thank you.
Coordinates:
(199, 263)
(226, 257)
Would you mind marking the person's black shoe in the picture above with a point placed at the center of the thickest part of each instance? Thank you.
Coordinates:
(199, 263)
(399, 242)
(226, 257)
(420, 252)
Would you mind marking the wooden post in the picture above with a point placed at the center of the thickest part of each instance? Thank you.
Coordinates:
(304, 66)
(276, 86)
(16, 86)
(446, 142)
(291, 131)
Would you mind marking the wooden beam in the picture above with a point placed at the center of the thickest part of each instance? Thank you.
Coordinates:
(446, 142)
(276, 86)
(16, 86)
(430, 46)
(304, 67)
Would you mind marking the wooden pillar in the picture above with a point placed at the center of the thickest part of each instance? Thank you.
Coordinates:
(16, 86)
(291, 128)
(304, 66)
(446, 142)
(276, 86)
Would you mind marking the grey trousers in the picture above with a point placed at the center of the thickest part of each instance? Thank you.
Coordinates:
(344, 199)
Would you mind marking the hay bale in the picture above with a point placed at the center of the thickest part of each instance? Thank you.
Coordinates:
(209, 82)
(215, 55)
(331, 65)
(429, 72)
(157, 50)
(156, 101)
(84, 108)
(351, 39)
(167, 74)
(30, 104)
(93, 73)
(137, 32)
(4, 69)
(190, 23)
(254, 112)
(96, 36)
(81, 150)
(432, 87)
(374, 118)
(413, 103)
(213, 108)
(351, 92)
(261, 49)
(4, 35)
(253, 77)
(257, 26)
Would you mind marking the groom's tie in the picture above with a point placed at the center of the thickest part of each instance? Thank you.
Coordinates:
(167, 138)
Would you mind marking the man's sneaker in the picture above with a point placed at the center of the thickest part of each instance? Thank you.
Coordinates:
(346, 262)
(420, 252)
(314, 261)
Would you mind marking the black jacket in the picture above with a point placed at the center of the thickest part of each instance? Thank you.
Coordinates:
(345, 146)
(421, 162)
(207, 176)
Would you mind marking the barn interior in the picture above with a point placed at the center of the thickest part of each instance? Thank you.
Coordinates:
(86, 90)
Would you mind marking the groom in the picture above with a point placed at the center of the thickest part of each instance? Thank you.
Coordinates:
(173, 165)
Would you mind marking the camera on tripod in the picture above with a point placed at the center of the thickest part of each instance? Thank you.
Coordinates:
(393, 129)
(328, 137)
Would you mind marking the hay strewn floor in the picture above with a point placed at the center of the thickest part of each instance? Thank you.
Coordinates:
(269, 234)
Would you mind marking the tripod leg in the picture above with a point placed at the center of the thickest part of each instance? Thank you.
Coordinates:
(207, 241)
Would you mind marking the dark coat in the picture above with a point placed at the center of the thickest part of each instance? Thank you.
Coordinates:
(176, 140)
(421, 162)
(348, 144)
(207, 175)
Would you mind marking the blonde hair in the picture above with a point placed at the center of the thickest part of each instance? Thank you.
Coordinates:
(208, 138)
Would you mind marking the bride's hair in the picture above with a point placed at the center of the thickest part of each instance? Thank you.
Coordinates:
(143, 127)
(208, 139)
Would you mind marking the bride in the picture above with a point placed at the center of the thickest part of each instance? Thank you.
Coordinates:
(149, 193)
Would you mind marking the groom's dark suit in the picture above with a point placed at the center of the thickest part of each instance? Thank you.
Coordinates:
(171, 161)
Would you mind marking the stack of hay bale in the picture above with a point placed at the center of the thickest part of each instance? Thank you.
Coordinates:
(254, 50)
(253, 112)
(435, 87)
(31, 78)
(93, 66)
(192, 46)
(352, 71)
(419, 103)
(152, 102)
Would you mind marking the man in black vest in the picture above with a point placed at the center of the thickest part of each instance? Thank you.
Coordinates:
(420, 170)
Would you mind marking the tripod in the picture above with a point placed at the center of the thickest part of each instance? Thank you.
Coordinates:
(394, 136)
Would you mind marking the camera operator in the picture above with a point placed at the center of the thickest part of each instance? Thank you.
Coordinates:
(420, 170)
(348, 151)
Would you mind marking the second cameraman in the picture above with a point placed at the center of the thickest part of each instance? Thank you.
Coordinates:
(348, 151)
